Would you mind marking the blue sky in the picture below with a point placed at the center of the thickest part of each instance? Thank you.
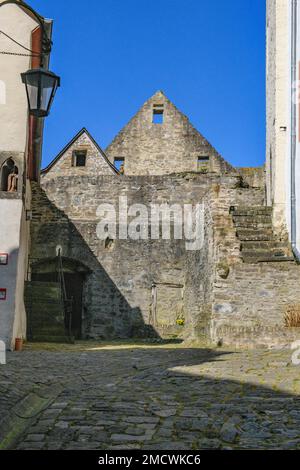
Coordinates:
(112, 55)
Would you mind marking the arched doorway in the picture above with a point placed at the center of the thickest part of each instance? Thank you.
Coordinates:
(74, 278)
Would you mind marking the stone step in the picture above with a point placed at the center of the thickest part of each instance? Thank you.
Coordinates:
(43, 294)
(250, 234)
(263, 253)
(37, 319)
(270, 245)
(249, 221)
(42, 284)
(252, 225)
(44, 309)
(251, 211)
(266, 257)
(47, 331)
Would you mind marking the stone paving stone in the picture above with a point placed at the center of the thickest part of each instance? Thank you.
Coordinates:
(180, 398)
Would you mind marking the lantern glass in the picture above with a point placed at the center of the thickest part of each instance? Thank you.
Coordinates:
(41, 86)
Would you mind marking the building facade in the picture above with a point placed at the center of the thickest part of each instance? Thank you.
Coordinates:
(235, 287)
(283, 130)
(20, 152)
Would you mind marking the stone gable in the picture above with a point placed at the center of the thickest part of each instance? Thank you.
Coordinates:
(64, 164)
(173, 146)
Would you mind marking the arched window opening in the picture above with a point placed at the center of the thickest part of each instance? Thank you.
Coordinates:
(9, 176)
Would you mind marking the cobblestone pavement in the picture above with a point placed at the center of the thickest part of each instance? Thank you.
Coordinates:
(151, 396)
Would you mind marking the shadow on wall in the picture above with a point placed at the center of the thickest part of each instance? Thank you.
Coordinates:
(104, 311)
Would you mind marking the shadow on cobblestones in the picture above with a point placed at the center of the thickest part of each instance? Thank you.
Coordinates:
(123, 396)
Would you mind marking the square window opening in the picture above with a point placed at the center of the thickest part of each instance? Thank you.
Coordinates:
(158, 114)
(79, 158)
(203, 163)
(119, 163)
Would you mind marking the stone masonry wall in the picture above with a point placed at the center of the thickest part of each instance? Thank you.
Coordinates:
(138, 288)
(254, 177)
(127, 277)
(249, 301)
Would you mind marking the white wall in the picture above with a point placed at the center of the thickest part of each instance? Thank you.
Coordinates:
(14, 230)
(11, 214)
(13, 114)
(278, 108)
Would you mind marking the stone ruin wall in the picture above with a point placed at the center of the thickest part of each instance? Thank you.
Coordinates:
(250, 303)
(128, 276)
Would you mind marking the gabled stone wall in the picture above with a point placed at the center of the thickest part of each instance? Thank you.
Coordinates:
(170, 147)
(63, 165)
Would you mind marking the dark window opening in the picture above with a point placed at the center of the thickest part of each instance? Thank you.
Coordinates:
(79, 158)
(119, 163)
(158, 114)
(9, 176)
(203, 163)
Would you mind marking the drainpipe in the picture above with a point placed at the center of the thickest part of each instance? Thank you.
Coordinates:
(294, 129)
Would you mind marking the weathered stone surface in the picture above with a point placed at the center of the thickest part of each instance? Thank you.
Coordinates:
(258, 408)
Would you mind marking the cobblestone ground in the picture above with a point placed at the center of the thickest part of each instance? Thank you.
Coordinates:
(151, 396)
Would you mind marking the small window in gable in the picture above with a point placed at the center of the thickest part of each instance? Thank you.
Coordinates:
(79, 158)
(203, 163)
(158, 114)
(119, 163)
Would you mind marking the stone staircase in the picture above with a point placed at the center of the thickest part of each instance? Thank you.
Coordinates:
(45, 313)
(257, 239)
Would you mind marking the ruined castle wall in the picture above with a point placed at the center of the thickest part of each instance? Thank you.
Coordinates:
(138, 288)
(132, 283)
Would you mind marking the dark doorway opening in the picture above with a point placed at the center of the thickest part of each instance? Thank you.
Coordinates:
(74, 289)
